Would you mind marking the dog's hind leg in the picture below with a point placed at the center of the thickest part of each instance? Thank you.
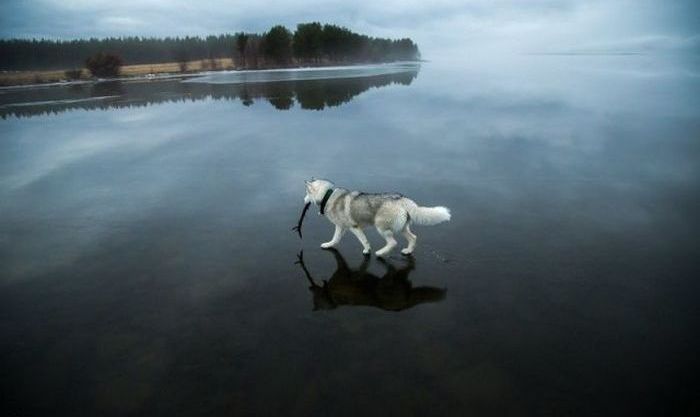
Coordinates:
(362, 238)
(411, 238)
(339, 232)
(390, 242)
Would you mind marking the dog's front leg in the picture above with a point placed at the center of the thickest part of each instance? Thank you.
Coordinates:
(339, 232)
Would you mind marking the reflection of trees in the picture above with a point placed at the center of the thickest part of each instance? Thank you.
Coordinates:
(280, 96)
(309, 94)
(323, 93)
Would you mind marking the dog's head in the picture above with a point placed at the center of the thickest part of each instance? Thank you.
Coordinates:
(315, 189)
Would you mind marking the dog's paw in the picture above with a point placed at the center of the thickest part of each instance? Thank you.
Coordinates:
(381, 253)
(367, 251)
(406, 251)
(326, 245)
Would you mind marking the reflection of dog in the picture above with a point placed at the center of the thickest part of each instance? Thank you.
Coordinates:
(389, 213)
(358, 287)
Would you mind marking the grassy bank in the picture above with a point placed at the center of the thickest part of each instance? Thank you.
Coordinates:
(11, 78)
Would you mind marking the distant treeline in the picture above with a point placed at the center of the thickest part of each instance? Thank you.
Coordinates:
(311, 43)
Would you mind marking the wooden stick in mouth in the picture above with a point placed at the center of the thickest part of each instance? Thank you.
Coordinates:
(297, 228)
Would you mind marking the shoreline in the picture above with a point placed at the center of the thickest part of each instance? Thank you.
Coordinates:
(60, 77)
(47, 78)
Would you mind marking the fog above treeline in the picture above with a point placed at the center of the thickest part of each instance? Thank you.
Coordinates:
(446, 30)
(310, 43)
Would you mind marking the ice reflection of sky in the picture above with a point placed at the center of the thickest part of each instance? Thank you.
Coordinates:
(158, 236)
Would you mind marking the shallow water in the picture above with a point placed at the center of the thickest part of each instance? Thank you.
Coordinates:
(147, 266)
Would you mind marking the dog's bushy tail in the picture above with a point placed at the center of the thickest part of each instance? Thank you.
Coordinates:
(428, 216)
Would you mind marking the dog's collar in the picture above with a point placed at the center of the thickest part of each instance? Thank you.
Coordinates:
(325, 199)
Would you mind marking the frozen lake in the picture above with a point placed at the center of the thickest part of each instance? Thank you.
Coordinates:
(147, 266)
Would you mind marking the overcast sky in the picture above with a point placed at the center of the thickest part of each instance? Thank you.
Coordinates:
(438, 26)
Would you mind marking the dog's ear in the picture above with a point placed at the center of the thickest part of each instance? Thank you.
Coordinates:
(310, 184)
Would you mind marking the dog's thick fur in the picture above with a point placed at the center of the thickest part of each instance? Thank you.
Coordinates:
(389, 213)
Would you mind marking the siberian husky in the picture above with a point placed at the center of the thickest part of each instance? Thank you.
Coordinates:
(389, 213)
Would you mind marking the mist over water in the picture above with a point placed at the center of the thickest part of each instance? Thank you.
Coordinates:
(147, 266)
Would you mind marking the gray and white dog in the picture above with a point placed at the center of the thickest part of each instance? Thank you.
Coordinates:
(389, 213)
